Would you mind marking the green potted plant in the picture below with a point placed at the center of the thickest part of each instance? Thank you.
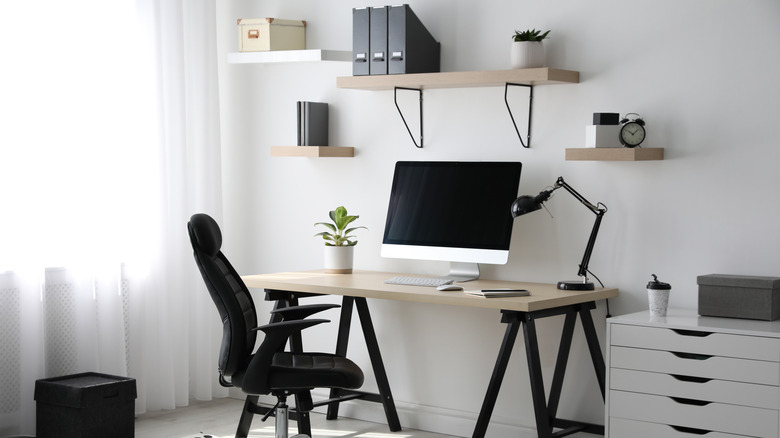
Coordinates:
(339, 243)
(527, 49)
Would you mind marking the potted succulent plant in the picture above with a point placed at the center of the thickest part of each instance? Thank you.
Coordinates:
(527, 49)
(339, 243)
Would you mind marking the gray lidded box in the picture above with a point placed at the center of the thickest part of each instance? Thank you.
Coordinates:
(739, 296)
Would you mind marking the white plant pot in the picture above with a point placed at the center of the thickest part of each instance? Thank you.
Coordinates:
(338, 259)
(527, 54)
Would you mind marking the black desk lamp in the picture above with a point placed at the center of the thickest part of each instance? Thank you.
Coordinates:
(526, 204)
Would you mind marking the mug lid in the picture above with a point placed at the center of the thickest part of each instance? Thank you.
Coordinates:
(658, 285)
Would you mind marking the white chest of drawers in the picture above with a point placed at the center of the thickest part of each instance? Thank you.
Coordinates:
(686, 376)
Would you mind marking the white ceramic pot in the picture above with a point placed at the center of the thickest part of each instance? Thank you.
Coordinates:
(527, 54)
(338, 259)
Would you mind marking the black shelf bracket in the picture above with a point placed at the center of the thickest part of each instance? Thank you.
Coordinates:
(530, 102)
(395, 99)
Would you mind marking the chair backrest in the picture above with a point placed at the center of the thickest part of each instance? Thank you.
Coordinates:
(230, 294)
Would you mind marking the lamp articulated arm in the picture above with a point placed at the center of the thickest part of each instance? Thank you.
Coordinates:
(599, 210)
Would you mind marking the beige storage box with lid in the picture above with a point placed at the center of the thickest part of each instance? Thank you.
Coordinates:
(266, 34)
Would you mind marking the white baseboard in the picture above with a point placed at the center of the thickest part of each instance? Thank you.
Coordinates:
(430, 418)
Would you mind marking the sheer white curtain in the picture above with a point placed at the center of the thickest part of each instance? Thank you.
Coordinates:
(109, 141)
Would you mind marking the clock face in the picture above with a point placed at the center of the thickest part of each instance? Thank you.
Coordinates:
(632, 134)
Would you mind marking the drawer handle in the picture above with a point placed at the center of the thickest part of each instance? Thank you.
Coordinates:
(695, 333)
(690, 430)
(690, 401)
(693, 356)
(690, 378)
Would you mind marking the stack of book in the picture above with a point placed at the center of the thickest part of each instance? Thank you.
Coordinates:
(312, 123)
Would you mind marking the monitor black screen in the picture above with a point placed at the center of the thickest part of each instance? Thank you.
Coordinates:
(451, 205)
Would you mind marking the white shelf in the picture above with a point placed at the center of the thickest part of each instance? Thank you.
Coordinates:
(311, 55)
(312, 151)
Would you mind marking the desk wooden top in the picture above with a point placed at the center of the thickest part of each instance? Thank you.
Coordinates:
(370, 284)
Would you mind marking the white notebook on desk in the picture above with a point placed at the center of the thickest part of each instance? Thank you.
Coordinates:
(498, 292)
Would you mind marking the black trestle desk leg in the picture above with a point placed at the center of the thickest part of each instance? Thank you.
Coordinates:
(545, 411)
(290, 300)
(342, 341)
(275, 317)
(247, 415)
(296, 340)
(296, 346)
(543, 421)
(593, 344)
(376, 362)
(513, 321)
(560, 363)
(302, 418)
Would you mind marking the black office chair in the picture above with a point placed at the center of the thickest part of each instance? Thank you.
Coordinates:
(270, 370)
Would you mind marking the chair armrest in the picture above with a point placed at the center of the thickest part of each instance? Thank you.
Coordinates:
(276, 334)
(301, 312)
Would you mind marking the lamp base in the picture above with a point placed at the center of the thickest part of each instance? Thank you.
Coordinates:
(575, 285)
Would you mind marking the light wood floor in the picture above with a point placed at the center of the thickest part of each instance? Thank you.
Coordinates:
(219, 419)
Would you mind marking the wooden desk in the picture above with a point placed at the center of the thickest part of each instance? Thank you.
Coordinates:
(545, 300)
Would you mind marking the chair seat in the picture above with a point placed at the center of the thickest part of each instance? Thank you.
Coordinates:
(313, 370)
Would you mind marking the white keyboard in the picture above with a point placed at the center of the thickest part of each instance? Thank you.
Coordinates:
(418, 281)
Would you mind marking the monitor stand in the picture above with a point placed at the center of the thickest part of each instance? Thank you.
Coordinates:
(461, 272)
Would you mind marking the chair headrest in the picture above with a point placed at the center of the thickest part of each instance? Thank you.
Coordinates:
(205, 234)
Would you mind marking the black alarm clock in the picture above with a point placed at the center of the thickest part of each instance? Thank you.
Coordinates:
(632, 133)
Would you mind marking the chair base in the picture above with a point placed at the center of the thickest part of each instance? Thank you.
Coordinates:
(281, 417)
(282, 420)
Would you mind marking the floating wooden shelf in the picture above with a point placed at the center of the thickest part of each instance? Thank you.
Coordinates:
(527, 77)
(289, 56)
(614, 154)
(465, 79)
(312, 151)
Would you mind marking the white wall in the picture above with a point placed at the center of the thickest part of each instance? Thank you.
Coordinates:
(702, 73)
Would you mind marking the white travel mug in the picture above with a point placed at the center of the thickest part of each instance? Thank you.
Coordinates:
(658, 296)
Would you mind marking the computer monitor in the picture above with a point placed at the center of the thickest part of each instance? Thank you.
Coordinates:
(455, 211)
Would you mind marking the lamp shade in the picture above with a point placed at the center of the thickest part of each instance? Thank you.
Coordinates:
(525, 204)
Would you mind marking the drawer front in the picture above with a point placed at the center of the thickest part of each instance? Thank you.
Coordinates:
(717, 417)
(622, 428)
(694, 341)
(711, 390)
(712, 367)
